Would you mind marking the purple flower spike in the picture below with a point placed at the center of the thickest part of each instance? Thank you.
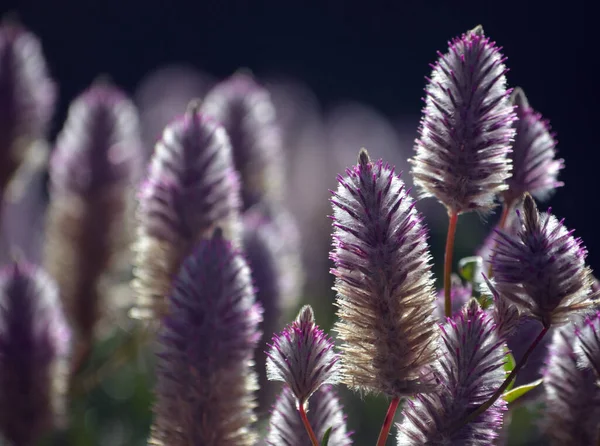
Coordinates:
(205, 380)
(466, 129)
(534, 168)
(191, 188)
(325, 411)
(589, 343)
(246, 111)
(470, 369)
(386, 299)
(91, 171)
(572, 395)
(269, 240)
(461, 295)
(27, 96)
(542, 268)
(302, 356)
(34, 347)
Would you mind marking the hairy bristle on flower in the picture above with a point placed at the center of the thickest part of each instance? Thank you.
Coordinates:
(535, 169)
(90, 176)
(466, 129)
(205, 379)
(589, 343)
(34, 349)
(461, 294)
(542, 268)
(383, 279)
(191, 188)
(324, 412)
(470, 369)
(302, 356)
(505, 313)
(246, 111)
(27, 96)
(572, 395)
(267, 239)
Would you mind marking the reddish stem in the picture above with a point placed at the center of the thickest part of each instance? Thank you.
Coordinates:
(448, 263)
(309, 429)
(485, 406)
(387, 423)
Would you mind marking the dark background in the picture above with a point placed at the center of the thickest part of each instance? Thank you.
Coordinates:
(375, 52)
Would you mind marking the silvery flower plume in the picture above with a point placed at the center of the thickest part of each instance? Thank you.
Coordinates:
(384, 284)
(588, 337)
(246, 111)
(302, 356)
(205, 379)
(271, 246)
(461, 295)
(91, 171)
(325, 411)
(34, 349)
(470, 369)
(505, 313)
(27, 96)
(571, 394)
(191, 188)
(535, 169)
(467, 126)
(542, 268)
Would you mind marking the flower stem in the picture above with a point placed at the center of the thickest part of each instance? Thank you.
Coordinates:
(448, 263)
(309, 429)
(485, 406)
(387, 423)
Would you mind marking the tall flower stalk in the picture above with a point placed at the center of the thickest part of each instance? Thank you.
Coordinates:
(465, 133)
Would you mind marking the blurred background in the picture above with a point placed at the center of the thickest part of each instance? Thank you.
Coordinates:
(343, 75)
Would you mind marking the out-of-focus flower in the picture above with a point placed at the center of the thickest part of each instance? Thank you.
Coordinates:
(542, 268)
(34, 349)
(205, 381)
(470, 369)
(191, 188)
(325, 411)
(245, 110)
(589, 342)
(384, 282)
(534, 168)
(461, 295)
(572, 395)
(302, 356)
(27, 96)
(505, 313)
(91, 172)
(466, 130)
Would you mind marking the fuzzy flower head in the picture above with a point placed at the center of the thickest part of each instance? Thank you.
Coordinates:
(470, 369)
(246, 111)
(589, 342)
(302, 356)
(34, 346)
(466, 129)
(191, 188)
(27, 95)
(99, 143)
(542, 268)
(325, 411)
(384, 284)
(571, 394)
(535, 169)
(505, 313)
(205, 380)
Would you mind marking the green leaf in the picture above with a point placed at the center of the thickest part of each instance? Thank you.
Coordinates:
(509, 365)
(325, 440)
(518, 392)
(470, 268)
